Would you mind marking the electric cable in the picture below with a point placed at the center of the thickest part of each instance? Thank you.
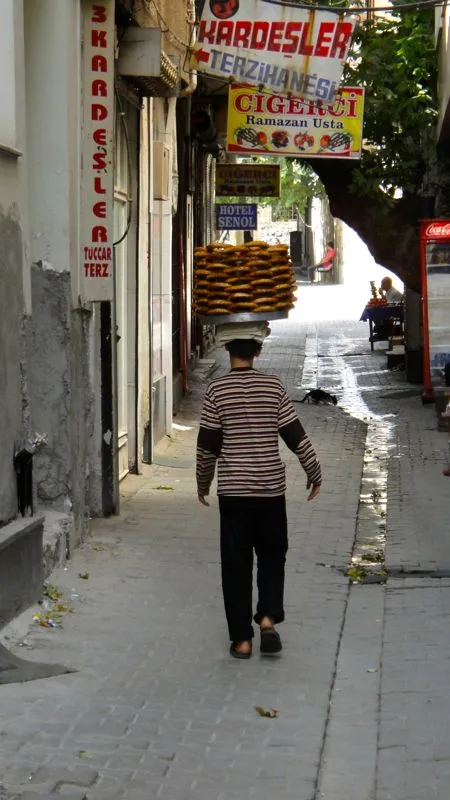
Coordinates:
(130, 178)
(344, 10)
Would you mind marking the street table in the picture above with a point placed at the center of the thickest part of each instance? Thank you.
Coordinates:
(378, 314)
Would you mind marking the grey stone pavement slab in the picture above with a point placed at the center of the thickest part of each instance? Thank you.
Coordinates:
(158, 709)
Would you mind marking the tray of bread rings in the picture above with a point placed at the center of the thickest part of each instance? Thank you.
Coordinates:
(252, 282)
(222, 319)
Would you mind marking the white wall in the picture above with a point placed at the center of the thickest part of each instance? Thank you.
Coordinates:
(164, 130)
(52, 30)
(443, 23)
(358, 267)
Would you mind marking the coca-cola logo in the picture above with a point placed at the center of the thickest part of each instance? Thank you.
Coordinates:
(438, 230)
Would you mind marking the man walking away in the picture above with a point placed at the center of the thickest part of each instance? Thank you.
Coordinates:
(244, 412)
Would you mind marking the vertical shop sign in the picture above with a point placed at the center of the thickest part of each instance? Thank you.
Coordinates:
(97, 180)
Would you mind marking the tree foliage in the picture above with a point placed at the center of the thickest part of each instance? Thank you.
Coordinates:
(383, 195)
(299, 184)
(394, 58)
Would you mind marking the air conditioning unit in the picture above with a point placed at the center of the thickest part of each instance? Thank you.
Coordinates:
(140, 53)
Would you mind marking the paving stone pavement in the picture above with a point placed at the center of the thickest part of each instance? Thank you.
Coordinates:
(157, 709)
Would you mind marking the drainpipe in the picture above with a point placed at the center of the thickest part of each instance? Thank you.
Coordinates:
(193, 78)
(188, 91)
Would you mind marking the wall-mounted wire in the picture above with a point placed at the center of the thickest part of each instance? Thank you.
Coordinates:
(130, 173)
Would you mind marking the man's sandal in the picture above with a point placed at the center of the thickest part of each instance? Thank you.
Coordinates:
(237, 653)
(270, 642)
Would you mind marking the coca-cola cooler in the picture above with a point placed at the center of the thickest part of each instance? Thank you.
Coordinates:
(435, 266)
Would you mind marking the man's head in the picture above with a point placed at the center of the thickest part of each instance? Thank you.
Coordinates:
(330, 244)
(244, 349)
(386, 284)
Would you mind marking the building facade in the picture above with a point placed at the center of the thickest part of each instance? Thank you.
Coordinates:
(96, 234)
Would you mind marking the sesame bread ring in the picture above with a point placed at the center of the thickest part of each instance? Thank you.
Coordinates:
(241, 297)
(219, 279)
(235, 279)
(281, 280)
(202, 273)
(201, 284)
(279, 267)
(200, 251)
(250, 245)
(263, 282)
(242, 287)
(214, 264)
(279, 248)
(259, 262)
(222, 298)
(266, 309)
(219, 286)
(283, 287)
(263, 274)
(219, 310)
(244, 307)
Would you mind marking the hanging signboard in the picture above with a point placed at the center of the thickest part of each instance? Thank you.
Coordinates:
(278, 45)
(248, 180)
(234, 217)
(273, 124)
(97, 186)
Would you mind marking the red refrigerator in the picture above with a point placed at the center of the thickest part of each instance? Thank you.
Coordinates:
(435, 267)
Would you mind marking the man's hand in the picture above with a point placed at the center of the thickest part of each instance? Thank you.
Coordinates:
(314, 490)
(202, 500)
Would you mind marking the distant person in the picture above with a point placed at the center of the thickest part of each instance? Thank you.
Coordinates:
(389, 292)
(326, 264)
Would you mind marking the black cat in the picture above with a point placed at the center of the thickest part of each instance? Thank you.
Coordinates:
(319, 396)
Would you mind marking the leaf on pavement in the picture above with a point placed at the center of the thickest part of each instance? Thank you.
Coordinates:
(271, 713)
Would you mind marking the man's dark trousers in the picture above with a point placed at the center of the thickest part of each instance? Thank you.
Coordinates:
(250, 524)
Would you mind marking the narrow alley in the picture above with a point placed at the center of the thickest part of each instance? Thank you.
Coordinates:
(155, 707)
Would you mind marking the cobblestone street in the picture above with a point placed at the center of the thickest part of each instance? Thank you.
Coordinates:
(157, 709)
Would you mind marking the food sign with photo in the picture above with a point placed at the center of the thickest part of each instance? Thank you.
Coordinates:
(281, 46)
(248, 180)
(272, 124)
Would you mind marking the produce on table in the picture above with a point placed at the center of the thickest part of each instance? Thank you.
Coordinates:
(251, 278)
(375, 300)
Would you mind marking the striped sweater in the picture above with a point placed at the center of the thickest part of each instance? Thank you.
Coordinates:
(243, 414)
